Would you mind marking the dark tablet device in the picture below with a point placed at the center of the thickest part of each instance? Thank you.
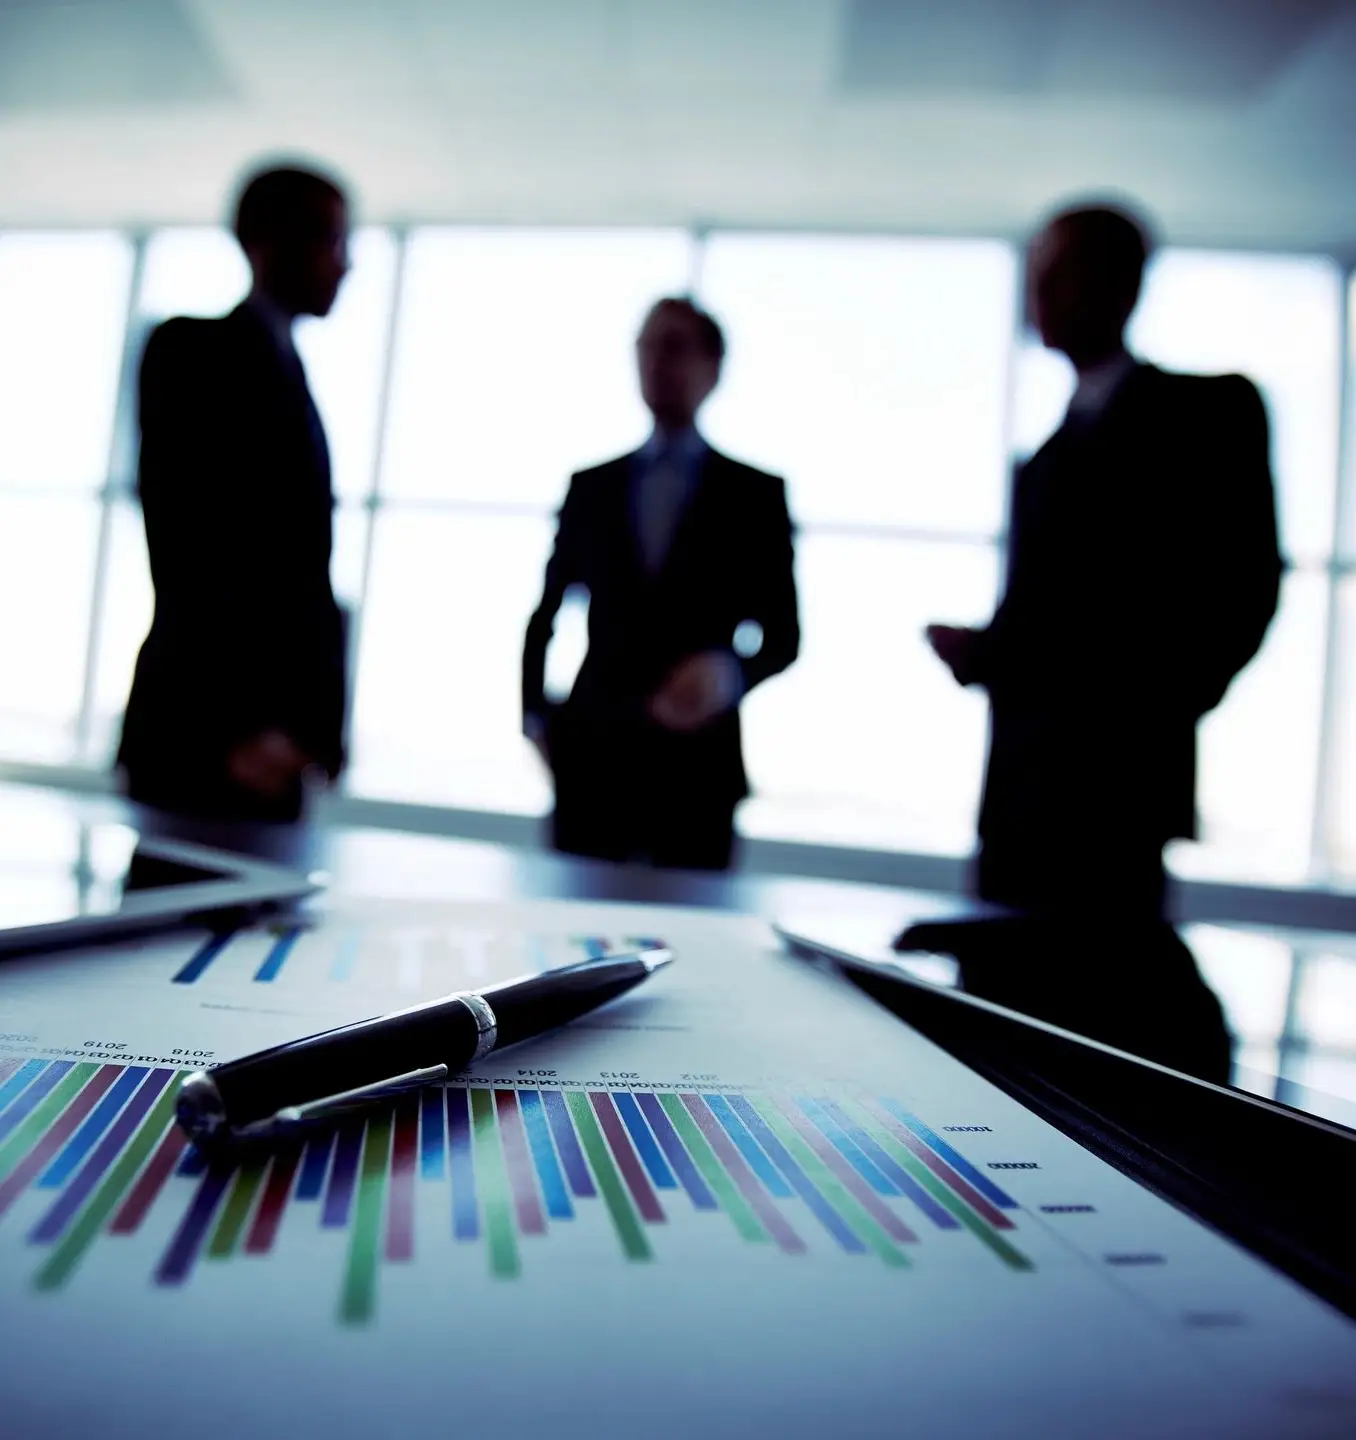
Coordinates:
(117, 883)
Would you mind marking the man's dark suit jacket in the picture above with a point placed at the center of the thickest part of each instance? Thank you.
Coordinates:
(730, 561)
(236, 495)
(1143, 573)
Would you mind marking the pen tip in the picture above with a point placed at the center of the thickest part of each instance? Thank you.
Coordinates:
(656, 959)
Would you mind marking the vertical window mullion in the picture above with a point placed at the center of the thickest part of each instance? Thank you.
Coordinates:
(119, 448)
(1322, 857)
(372, 503)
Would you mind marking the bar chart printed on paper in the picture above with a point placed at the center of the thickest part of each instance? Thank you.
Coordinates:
(94, 1148)
(743, 1170)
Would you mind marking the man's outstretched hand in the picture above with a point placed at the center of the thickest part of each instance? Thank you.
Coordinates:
(696, 691)
(958, 649)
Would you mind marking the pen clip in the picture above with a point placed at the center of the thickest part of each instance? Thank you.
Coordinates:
(343, 1103)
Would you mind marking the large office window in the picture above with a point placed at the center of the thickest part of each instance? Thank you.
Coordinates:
(466, 372)
(1340, 836)
(513, 367)
(1337, 834)
(514, 359)
(873, 374)
(63, 318)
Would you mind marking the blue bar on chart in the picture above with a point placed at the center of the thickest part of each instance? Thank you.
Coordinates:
(517, 1164)
(315, 1166)
(19, 1081)
(277, 956)
(343, 1177)
(69, 1202)
(206, 953)
(800, 1182)
(183, 1250)
(42, 1084)
(83, 1141)
(461, 1166)
(432, 1133)
(644, 1141)
(549, 1174)
(849, 1149)
(958, 1162)
(567, 1142)
(749, 1148)
(831, 1119)
(727, 1153)
(698, 1191)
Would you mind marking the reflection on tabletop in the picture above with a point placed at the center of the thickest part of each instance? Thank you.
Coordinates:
(1288, 996)
(1140, 991)
(1269, 1011)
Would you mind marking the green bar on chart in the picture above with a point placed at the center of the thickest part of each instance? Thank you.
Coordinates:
(358, 1302)
(712, 1171)
(633, 1242)
(943, 1194)
(496, 1201)
(32, 1129)
(231, 1223)
(828, 1185)
(70, 1250)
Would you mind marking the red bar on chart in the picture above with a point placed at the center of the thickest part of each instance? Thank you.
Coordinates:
(846, 1175)
(150, 1183)
(522, 1177)
(65, 1125)
(946, 1174)
(277, 1189)
(747, 1182)
(400, 1206)
(637, 1182)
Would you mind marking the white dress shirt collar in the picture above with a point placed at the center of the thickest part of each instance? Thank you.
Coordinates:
(685, 446)
(1098, 384)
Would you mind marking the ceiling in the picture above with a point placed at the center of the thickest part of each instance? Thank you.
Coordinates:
(1231, 120)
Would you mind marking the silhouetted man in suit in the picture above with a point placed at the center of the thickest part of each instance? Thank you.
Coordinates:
(1143, 573)
(678, 546)
(239, 687)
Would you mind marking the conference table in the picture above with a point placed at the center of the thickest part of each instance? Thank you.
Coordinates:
(1188, 1140)
(1281, 990)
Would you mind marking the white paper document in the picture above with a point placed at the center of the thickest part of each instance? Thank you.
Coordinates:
(744, 1201)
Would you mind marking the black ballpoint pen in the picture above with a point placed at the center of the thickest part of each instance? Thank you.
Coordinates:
(306, 1079)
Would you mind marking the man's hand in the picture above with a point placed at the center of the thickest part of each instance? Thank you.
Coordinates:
(269, 765)
(696, 691)
(958, 649)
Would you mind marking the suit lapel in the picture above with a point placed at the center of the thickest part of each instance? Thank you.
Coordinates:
(619, 518)
(282, 378)
(693, 519)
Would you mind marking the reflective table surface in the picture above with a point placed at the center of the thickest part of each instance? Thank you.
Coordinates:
(1285, 1015)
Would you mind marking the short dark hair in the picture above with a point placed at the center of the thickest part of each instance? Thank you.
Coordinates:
(277, 199)
(710, 336)
(1123, 240)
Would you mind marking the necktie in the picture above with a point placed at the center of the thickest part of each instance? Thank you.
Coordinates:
(663, 489)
